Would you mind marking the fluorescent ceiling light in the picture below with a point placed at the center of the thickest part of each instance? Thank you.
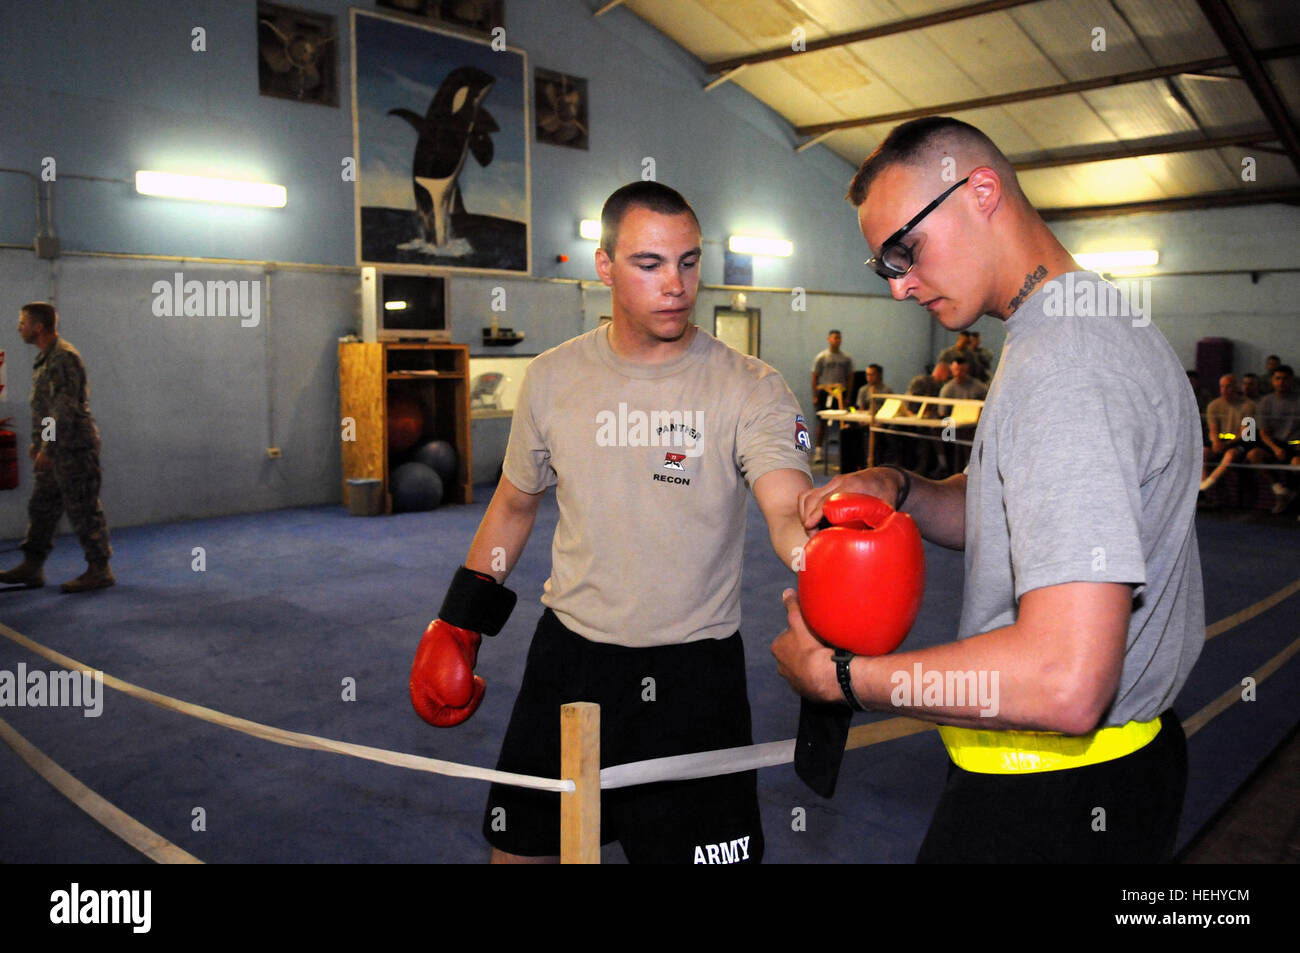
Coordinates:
(589, 229)
(752, 245)
(205, 189)
(1110, 262)
(394, 305)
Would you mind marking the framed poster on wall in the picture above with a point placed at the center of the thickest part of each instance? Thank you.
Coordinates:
(483, 15)
(441, 139)
(560, 107)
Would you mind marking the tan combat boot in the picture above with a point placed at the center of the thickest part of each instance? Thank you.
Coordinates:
(98, 576)
(28, 573)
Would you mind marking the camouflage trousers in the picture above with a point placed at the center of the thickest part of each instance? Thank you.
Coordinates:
(71, 485)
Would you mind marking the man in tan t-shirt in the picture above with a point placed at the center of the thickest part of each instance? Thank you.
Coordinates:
(651, 430)
(1230, 441)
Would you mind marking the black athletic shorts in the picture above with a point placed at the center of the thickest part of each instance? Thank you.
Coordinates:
(1122, 811)
(696, 701)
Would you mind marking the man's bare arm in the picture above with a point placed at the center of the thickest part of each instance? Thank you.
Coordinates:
(1057, 667)
(504, 531)
(777, 493)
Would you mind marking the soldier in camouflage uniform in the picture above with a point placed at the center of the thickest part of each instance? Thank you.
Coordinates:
(65, 448)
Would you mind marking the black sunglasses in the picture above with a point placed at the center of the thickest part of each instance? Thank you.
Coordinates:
(895, 259)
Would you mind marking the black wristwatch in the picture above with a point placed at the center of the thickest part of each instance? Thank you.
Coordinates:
(842, 658)
(907, 484)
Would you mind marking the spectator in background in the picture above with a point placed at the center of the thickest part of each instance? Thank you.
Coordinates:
(1250, 387)
(875, 385)
(832, 378)
(963, 384)
(887, 448)
(1224, 418)
(1279, 434)
(966, 347)
(1202, 401)
(928, 385)
(961, 347)
(984, 355)
(926, 459)
(1271, 364)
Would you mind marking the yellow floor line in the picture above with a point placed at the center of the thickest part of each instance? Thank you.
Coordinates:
(153, 845)
(887, 729)
(1221, 704)
(1237, 618)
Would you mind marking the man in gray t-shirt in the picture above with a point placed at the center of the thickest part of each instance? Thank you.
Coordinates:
(832, 383)
(928, 385)
(1082, 610)
(1278, 428)
(963, 385)
(965, 347)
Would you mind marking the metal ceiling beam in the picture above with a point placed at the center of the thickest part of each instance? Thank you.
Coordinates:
(1218, 77)
(1134, 152)
(1187, 203)
(1248, 63)
(724, 78)
(871, 33)
(1042, 92)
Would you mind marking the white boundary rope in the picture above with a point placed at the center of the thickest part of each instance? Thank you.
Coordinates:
(293, 739)
(703, 764)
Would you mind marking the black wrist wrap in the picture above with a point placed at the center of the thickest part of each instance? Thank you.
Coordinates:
(906, 487)
(477, 602)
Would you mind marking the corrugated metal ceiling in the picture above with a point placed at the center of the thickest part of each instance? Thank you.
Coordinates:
(1022, 47)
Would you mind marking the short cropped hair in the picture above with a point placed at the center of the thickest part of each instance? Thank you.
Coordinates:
(43, 313)
(1283, 369)
(650, 195)
(922, 140)
(960, 359)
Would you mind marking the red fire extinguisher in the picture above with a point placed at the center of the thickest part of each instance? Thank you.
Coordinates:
(8, 456)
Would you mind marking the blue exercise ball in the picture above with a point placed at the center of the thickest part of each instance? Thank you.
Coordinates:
(440, 455)
(415, 487)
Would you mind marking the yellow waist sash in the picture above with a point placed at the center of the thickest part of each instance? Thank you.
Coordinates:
(1022, 752)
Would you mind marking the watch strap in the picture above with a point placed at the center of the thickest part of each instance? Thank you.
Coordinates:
(842, 659)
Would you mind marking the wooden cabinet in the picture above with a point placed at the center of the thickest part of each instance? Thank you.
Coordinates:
(435, 375)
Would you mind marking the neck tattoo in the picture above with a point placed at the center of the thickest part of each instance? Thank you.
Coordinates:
(1031, 281)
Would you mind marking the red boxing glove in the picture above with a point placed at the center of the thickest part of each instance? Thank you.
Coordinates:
(444, 689)
(862, 580)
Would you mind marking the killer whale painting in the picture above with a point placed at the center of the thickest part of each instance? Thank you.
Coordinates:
(441, 148)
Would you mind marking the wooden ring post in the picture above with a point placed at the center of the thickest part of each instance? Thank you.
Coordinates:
(580, 762)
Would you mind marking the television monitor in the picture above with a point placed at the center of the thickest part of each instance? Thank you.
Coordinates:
(397, 306)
